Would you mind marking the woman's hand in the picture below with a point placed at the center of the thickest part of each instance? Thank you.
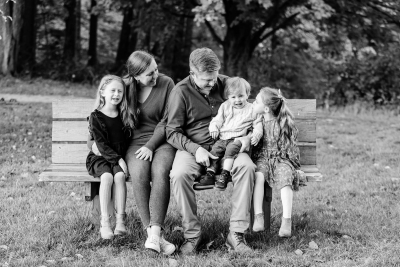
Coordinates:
(144, 153)
(123, 166)
(95, 150)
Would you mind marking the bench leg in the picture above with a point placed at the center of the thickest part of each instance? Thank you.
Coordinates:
(93, 195)
(267, 206)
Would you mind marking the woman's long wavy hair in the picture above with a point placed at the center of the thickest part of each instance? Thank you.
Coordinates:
(123, 106)
(137, 63)
(273, 99)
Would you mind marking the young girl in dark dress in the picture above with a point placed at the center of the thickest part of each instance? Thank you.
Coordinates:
(110, 126)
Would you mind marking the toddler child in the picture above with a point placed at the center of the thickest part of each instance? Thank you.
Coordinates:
(110, 126)
(277, 156)
(234, 119)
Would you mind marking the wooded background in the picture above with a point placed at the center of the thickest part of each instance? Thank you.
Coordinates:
(339, 51)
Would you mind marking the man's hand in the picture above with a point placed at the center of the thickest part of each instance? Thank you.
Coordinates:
(245, 140)
(144, 153)
(123, 166)
(203, 157)
(95, 150)
(214, 134)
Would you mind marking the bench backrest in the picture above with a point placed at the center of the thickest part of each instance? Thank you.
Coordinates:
(70, 129)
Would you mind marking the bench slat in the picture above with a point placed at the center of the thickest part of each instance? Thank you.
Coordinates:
(77, 153)
(78, 131)
(78, 173)
(81, 108)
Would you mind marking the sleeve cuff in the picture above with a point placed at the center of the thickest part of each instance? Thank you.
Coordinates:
(192, 148)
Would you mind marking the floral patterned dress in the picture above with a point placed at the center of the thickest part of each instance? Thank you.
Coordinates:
(277, 161)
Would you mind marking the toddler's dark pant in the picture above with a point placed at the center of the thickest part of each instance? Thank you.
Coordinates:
(228, 149)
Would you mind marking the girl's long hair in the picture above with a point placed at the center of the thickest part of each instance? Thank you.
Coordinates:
(137, 63)
(273, 99)
(123, 106)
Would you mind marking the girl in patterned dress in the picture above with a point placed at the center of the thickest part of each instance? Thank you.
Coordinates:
(276, 156)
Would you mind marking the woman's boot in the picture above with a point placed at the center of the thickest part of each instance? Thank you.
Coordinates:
(120, 228)
(286, 228)
(105, 228)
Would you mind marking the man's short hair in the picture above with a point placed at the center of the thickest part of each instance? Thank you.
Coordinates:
(204, 60)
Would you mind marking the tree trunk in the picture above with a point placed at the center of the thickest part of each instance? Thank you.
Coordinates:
(27, 49)
(92, 51)
(17, 50)
(6, 43)
(124, 46)
(237, 49)
(78, 31)
(70, 31)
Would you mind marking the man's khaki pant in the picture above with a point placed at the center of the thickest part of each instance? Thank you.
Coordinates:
(185, 170)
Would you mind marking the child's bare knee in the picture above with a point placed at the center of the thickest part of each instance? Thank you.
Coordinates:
(119, 178)
(106, 178)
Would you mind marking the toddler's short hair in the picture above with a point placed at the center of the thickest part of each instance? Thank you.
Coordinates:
(235, 83)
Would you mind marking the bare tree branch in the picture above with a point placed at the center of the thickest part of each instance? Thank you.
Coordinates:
(213, 33)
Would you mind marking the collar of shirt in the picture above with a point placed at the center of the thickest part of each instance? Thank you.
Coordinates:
(198, 88)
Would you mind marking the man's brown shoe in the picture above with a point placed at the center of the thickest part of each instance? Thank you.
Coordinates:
(236, 242)
(192, 245)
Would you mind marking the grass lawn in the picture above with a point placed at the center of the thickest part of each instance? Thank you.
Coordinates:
(353, 215)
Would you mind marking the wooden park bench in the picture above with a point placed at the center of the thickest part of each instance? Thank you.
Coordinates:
(69, 149)
(304, 111)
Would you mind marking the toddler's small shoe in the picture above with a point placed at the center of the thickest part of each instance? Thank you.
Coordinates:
(222, 180)
(207, 181)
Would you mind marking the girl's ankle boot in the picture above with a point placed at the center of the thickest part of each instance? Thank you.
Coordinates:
(286, 228)
(120, 228)
(105, 228)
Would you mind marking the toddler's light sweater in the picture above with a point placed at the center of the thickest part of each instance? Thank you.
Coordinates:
(233, 122)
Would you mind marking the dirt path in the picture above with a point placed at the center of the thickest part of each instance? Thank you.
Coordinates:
(33, 98)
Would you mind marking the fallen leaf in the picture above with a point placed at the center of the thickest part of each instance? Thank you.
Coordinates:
(79, 256)
(4, 247)
(51, 261)
(346, 236)
(24, 175)
(90, 227)
(173, 262)
(14, 147)
(51, 212)
(3, 178)
(67, 259)
(72, 194)
(376, 164)
(387, 167)
(313, 245)
(177, 228)
(298, 252)
(33, 158)
(209, 244)
(10, 199)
